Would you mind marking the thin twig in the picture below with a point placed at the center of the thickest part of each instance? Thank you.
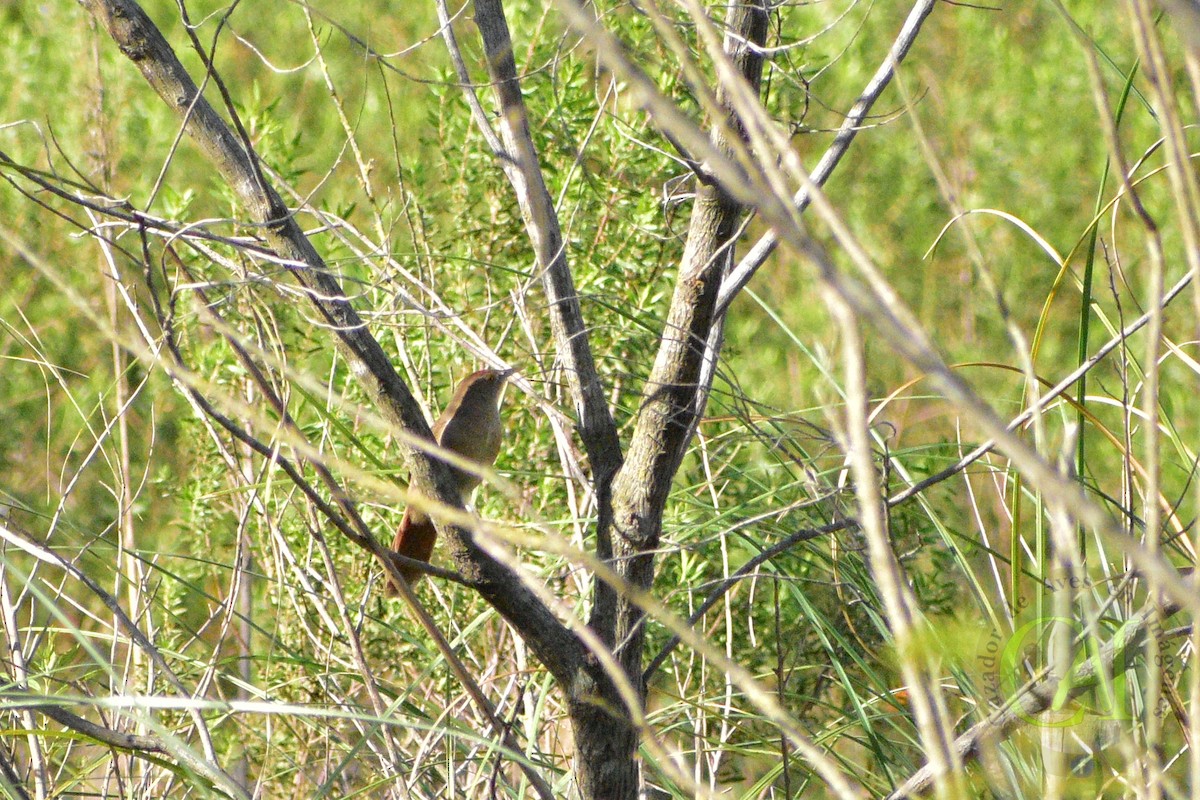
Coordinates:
(519, 159)
(762, 249)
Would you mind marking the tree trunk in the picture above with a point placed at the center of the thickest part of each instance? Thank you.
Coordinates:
(606, 738)
(606, 744)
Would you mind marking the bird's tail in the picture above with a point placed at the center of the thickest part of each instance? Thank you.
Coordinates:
(415, 539)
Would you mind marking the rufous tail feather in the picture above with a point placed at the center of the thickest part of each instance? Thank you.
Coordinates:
(415, 539)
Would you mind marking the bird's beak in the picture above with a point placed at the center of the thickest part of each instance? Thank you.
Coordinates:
(505, 374)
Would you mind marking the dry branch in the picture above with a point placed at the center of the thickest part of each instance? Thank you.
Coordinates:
(519, 160)
(740, 276)
(665, 424)
(141, 41)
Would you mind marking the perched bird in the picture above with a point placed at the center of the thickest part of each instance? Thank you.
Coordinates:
(470, 426)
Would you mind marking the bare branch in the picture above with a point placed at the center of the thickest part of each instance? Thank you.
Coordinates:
(519, 160)
(665, 425)
(918, 666)
(668, 408)
(143, 44)
(102, 735)
(744, 271)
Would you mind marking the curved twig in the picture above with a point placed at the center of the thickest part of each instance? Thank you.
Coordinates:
(141, 41)
(762, 249)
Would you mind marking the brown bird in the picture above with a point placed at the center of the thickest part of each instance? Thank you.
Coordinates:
(470, 426)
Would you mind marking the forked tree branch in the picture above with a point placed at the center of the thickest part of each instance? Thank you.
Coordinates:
(141, 41)
(740, 276)
(874, 301)
(668, 406)
(667, 412)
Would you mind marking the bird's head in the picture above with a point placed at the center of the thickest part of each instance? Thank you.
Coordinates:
(485, 385)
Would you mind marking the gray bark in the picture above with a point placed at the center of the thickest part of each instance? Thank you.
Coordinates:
(607, 743)
(141, 41)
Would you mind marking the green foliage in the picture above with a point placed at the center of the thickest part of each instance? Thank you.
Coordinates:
(275, 617)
